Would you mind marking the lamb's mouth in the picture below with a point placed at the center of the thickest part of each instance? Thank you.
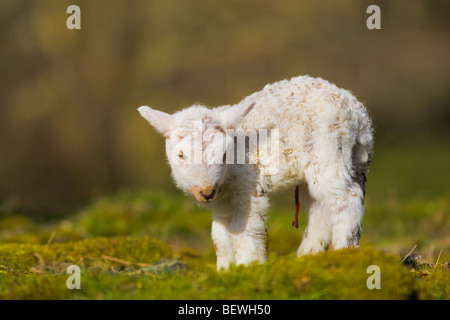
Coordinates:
(204, 195)
(208, 198)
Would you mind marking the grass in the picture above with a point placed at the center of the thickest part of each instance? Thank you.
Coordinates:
(151, 244)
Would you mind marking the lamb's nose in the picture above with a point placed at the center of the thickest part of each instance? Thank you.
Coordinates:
(203, 194)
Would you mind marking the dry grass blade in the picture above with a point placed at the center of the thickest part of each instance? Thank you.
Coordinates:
(50, 240)
(8, 268)
(439, 256)
(409, 254)
(140, 264)
(40, 259)
(116, 260)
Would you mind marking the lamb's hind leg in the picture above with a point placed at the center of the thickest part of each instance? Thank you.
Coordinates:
(337, 197)
(347, 218)
(341, 199)
(317, 235)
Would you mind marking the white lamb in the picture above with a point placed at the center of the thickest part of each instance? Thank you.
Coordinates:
(320, 143)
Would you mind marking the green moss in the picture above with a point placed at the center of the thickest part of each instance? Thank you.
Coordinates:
(145, 268)
(328, 275)
(140, 264)
(434, 285)
(100, 252)
(434, 282)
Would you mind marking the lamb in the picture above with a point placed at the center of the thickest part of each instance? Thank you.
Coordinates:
(310, 135)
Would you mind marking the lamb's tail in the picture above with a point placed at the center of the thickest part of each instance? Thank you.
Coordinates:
(363, 148)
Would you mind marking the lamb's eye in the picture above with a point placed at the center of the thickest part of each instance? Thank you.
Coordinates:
(181, 155)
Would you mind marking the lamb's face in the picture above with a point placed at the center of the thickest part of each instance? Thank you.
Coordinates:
(196, 145)
(196, 157)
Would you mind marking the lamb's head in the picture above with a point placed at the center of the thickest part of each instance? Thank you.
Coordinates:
(196, 144)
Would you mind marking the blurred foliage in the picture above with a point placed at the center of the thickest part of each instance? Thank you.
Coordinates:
(174, 219)
(69, 129)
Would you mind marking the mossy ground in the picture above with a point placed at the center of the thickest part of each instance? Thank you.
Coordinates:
(137, 266)
(145, 268)
(156, 245)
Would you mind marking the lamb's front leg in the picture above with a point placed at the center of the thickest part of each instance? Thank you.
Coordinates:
(221, 236)
(249, 233)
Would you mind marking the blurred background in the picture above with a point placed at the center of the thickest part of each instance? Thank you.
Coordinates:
(70, 132)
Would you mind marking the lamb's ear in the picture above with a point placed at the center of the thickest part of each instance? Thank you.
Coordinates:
(233, 117)
(161, 121)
